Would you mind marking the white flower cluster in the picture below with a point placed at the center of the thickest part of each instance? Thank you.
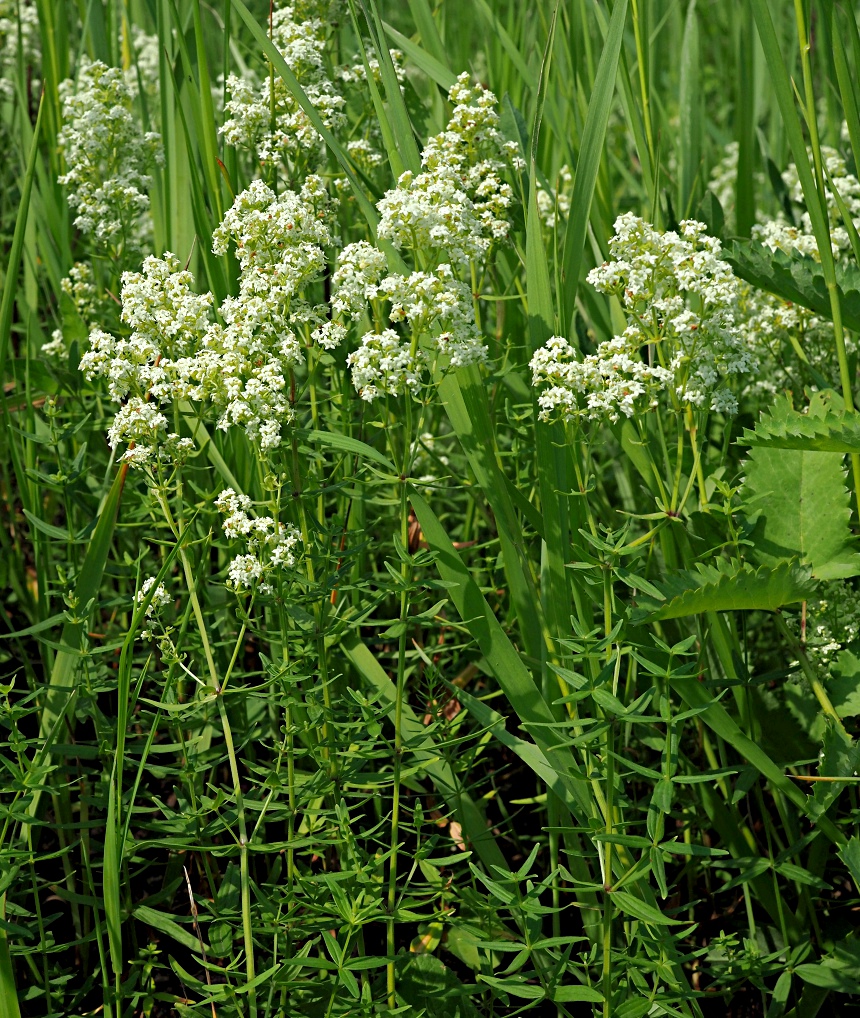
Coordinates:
(601, 386)
(267, 118)
(160, 597)
(435, 306)
(168, 322)
(779, 233)
(554, 204)
(160, 600)
(681, 299)
(143, 427)
(271, 545)
(79, 286)
(457, 207)
(175, 351)
(19, 33)
(106, 155)
(779, 334)
(279, 242)
(386, 364)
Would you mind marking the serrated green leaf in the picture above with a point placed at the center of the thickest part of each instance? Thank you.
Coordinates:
(796, 278)
(826, 426)
(799, 503)
(726, 586)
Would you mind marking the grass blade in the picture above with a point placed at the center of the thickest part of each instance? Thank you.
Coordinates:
(588, 162)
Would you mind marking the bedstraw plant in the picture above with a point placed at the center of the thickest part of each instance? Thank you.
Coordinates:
(429, 491)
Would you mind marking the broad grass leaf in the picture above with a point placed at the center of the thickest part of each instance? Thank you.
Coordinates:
(588, 160)
(800, 507)
(8, 996)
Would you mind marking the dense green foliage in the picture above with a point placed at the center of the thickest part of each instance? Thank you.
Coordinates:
(428, 496)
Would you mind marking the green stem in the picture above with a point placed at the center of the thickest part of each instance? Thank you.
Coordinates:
(231, 749)
(405, 573)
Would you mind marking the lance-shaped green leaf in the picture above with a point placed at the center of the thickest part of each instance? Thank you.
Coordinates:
(800, 506)
(726, 586)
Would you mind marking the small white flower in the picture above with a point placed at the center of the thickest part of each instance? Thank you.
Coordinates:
(160, 598)
(270, 546)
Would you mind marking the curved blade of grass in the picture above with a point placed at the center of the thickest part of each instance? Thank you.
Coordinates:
(13, 266)
(426, 25)
(588, 161)
(689, 113)
(465, 400)
(61, 689)
(434, 68)
(395, 109)
(8, 994)
(111, 886)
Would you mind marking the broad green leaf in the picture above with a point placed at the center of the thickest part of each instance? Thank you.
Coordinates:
(839, 758)
(843, 684)
(800, 505)
(725, 586)
(849, 853)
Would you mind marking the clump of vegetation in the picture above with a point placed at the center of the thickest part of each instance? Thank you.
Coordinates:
(429, 491)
